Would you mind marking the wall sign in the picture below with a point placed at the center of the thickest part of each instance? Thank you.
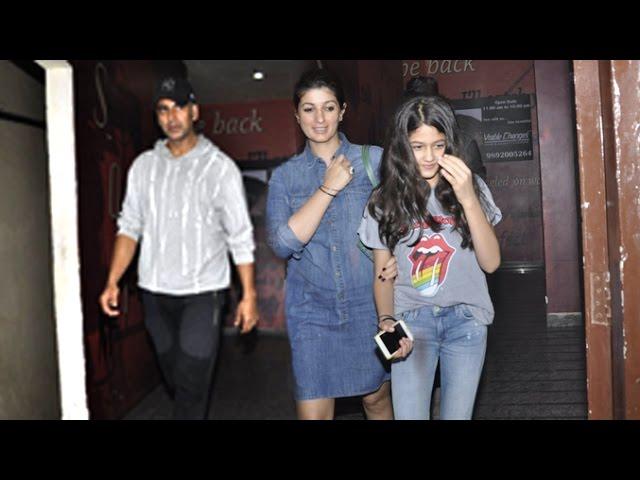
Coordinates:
(504, 123)
(252, 131)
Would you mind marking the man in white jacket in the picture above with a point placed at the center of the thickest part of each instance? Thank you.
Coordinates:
(185, 204)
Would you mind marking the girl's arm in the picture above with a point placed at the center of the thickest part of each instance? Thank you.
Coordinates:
(383, 290)
(485, 242)
(484, 238)
(383, 295)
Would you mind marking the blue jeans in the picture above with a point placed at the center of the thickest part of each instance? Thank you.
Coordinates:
(452, 336)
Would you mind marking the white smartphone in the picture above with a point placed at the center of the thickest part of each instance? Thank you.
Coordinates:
(389, 342)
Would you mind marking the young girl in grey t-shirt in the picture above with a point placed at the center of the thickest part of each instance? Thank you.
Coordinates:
(437, 218)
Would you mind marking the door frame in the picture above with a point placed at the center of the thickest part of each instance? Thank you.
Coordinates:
(64, 235)
(607, 116)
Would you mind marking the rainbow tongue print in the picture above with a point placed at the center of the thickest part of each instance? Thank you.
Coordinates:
(430, 259)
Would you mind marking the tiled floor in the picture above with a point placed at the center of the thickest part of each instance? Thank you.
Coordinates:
(537, 375)
(531, 371)
(252, 382)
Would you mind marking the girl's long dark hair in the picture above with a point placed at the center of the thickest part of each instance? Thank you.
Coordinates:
(399, 202)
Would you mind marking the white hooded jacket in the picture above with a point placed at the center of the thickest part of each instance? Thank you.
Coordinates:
(189, 213)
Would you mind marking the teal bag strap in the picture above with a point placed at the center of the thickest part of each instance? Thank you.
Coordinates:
(374, 182)
(367, 165)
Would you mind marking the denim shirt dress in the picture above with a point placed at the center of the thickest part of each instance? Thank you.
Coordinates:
(329, 305)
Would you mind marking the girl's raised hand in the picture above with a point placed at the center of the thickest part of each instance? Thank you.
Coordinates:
(456, 172)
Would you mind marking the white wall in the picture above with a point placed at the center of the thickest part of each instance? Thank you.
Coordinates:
(28, 361)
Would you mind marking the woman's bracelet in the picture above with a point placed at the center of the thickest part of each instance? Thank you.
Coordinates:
(382, 318)
(324, 191)
(330, 189)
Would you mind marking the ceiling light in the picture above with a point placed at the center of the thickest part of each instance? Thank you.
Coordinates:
(258, 75)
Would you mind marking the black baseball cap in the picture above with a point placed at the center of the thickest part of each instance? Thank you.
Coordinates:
(177, 89)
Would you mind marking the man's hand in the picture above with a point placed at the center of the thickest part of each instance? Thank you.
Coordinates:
(109, 300)
(247, 315)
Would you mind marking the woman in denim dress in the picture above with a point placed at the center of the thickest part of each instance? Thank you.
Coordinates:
(436, 217)
(314, 207)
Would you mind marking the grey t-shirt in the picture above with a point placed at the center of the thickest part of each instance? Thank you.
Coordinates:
(437, 270)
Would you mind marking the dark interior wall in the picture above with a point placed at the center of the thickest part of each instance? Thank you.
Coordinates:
(114, 124)
(372, 89)
(29, 384)
(558, 182)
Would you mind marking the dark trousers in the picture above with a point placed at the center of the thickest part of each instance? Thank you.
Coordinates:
(185, 331)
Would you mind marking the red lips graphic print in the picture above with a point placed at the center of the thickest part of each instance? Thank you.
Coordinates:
(430, 258)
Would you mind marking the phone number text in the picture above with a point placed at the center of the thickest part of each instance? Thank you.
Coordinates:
(511, 154)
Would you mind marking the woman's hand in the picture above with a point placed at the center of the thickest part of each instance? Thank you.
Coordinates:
(389, 271)
(456, 172)
(339, 174)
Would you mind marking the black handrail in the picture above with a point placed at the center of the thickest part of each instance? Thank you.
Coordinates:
(12, 117)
